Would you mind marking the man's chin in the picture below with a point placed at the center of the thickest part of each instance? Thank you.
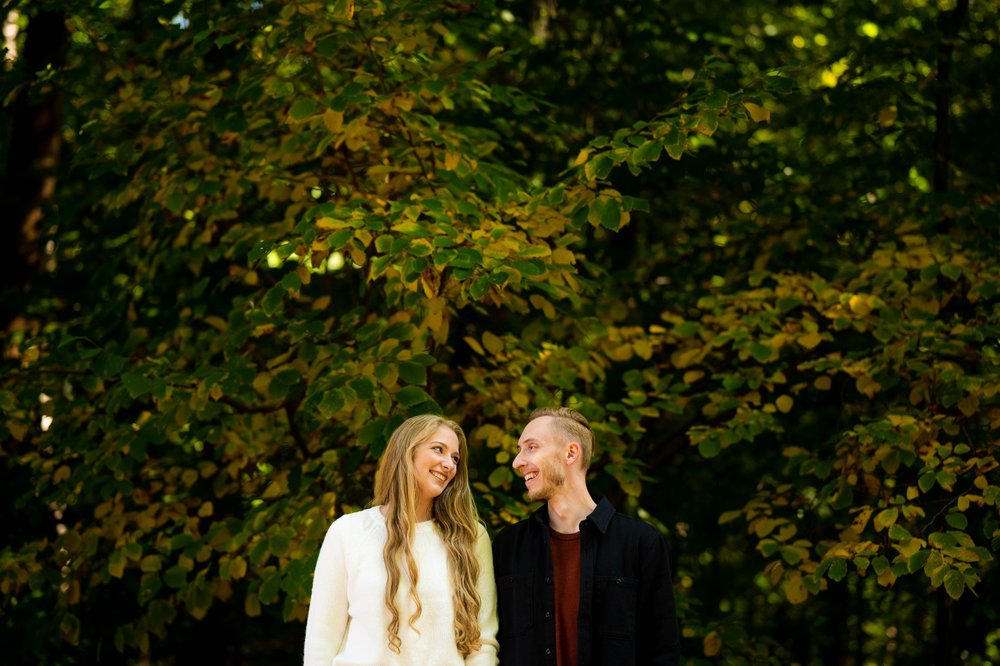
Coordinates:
(538, 495)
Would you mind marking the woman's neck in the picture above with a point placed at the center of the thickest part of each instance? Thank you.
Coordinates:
(424, 511)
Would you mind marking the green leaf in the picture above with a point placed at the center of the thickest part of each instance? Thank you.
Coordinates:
(411, 395)
(332, 402)
(957, 520)
(176, 577)
(500, 477)
(608, 212)
(136, 384)
(69, 628)
(269, 588)
(648, 151)
(717, 99)
(762, 353)
(709, 447)
(372, 434)
(161, 612)
(786, 304)
(272, 299)
(791, 554)
(780, 84)
(942, 540)
(175, 202)
(108, 364)
(302, 108)
(838, 570)
(675, 142)
(954, 583)
(259, 552)
(599, 167)
(480, 287)
(917, 561)
(340, 238)
(946, 479)
(116, 564)
(180, 541)
(686, 329)
(279, 544)
(768, 547)
(412, 373)
(952, 272)
(151, 563)
(363, 387)
(899, 533)
(886, 518)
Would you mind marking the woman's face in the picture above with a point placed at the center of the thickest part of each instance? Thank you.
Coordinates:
(435, 462)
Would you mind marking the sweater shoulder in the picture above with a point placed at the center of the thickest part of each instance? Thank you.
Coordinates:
(358, 524)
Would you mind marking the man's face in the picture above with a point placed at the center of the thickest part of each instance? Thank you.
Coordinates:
(539, 460)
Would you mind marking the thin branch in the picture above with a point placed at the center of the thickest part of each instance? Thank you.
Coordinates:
(382, 75)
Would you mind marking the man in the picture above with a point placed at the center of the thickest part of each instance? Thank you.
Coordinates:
(579, 584)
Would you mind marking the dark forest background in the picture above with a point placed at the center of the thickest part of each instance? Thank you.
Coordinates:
(756, 244)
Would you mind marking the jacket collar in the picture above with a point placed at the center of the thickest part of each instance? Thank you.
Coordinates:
(600, 517)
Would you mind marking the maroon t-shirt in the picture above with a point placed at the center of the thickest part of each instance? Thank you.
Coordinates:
(566, 578)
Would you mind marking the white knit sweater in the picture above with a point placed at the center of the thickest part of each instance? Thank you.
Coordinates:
(348, 618)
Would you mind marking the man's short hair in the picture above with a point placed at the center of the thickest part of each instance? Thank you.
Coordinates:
(572, 426)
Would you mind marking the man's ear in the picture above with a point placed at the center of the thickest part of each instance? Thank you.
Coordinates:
(572, 452)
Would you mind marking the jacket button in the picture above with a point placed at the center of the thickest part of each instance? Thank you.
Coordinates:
(619, 581)
(548, 651)
(547, 614)
(547, 579)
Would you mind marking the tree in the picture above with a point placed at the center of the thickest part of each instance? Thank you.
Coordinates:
(749, 252)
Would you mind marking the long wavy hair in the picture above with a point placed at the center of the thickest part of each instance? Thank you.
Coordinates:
(454, 515)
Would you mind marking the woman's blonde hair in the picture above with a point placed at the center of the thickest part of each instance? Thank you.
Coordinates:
(454, 514)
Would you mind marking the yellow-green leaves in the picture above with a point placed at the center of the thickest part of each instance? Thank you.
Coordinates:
(606, 211)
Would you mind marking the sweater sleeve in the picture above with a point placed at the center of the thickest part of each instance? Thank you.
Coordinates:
(486, 586)
(326, 623)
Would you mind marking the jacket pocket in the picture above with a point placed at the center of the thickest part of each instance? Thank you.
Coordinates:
(615, 601)
(515, 605)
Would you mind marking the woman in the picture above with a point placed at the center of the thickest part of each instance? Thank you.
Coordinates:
(409, 580)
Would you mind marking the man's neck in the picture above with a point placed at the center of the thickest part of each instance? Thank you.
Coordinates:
(567, 511)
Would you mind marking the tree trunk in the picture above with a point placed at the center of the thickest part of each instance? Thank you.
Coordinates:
(944, 654)
(32, 160)
(950, 23)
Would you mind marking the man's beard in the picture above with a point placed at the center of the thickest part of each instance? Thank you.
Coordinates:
(553, 478)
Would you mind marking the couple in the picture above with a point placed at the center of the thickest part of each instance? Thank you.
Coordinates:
(411, 580)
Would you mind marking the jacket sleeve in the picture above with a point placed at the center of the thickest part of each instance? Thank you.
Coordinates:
(326, 624)
(658, 636)
(486, 586)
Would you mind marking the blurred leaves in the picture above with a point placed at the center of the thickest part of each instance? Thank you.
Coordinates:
(282, 228)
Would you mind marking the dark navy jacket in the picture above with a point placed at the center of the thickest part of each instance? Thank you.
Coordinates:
(627, 613)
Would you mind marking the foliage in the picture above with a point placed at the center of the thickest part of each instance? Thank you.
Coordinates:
(280, 228)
